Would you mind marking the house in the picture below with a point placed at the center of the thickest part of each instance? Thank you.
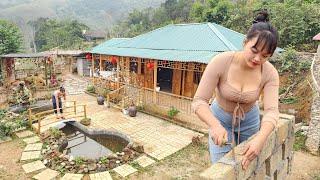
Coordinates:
(166, 63)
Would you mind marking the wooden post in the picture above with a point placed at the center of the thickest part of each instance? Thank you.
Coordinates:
(100, 63)
(30, 118)
(118, 72)
(92, 65)
(108, 100)
(39, 125)
(45, 71)
(85, 111)
(74, 107)
(155, 77)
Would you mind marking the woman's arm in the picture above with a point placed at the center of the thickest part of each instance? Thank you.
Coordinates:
(207, 85)
(269, 119)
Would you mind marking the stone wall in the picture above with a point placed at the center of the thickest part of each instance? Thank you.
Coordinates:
(313, 136)
(274, 161)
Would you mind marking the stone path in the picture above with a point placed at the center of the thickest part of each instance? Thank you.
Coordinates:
(75, 85)
(159, 138)
(313, 136)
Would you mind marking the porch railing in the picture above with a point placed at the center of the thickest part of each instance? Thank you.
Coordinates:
(74, 113)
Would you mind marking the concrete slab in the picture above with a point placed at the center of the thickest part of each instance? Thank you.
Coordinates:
(23, 134)
(144, 161)
(33, 147)
(125, 170)
(69, 176)
(30, 155)
(101, 176)
(31, 140)
(33, 166)
(47, 174)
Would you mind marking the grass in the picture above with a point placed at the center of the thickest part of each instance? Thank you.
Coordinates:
(299, 143)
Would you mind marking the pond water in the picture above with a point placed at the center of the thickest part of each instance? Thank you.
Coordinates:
(91, 145)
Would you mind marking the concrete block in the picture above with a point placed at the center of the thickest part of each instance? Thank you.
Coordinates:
(267, 149)
(219, 171)
(282, 132)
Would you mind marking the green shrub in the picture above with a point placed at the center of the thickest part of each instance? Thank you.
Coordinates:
(104, 160)
(78, 160)
(56, 133)
(91, 89)
(173, 112)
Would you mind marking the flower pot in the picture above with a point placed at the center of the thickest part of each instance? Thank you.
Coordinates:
(125, 111)
(100, 100)
(132, 111)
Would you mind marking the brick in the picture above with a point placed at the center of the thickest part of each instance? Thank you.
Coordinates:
(282, 132)
(259, 173)
(273, 162)
(288, 146)
(268, 148)
(245, 174)
(219, 171)
(287, 116)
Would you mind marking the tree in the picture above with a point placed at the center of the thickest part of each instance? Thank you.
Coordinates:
(10, 38)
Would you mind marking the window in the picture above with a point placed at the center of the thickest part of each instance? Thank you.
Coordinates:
(197, 77)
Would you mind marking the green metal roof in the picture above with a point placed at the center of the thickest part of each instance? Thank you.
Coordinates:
(112, 42)
(197, 42)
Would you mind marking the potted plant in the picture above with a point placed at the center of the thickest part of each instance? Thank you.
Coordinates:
(132, 110)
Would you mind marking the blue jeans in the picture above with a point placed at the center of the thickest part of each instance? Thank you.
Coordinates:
(248, 127)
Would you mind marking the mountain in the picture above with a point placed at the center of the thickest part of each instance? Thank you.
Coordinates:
(97, 14)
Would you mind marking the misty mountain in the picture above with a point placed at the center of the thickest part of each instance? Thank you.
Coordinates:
(97, 14)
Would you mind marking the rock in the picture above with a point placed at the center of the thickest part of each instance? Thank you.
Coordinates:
(101, 169)
(45, 161)
(196, 140)
(68, 167)
(138, 147)
(92, 167)
(55, 146)
(43, 151)
(71, 158)
(305, 128)
(117, 153)
(112, 164)
(80, 171)
(86, 170)
(72, 163)
(112, 156)
(125, 158)
(118, 162)
(63, 164)
(122, 153)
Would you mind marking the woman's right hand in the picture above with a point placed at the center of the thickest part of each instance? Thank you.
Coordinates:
(219, 135)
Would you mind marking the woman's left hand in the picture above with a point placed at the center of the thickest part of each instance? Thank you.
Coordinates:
(252, 150)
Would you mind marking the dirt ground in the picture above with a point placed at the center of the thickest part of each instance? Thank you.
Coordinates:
(185, 164)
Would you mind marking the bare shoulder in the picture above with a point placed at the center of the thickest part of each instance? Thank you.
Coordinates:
(269, 68)
(221, 58)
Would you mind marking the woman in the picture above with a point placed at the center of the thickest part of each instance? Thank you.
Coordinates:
(238, 79)
(56, 101)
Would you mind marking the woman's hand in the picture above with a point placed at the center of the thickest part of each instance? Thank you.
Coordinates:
(252, 150)
(219, 134)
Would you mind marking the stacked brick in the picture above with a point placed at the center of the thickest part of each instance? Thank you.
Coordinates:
(274, 161)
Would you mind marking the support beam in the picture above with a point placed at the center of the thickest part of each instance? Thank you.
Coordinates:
(155, 77)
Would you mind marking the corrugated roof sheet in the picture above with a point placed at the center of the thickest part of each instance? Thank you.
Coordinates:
(197, 42)
(316, 37)
(108, 43)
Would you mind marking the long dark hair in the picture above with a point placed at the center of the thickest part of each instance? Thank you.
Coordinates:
(266, 33)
